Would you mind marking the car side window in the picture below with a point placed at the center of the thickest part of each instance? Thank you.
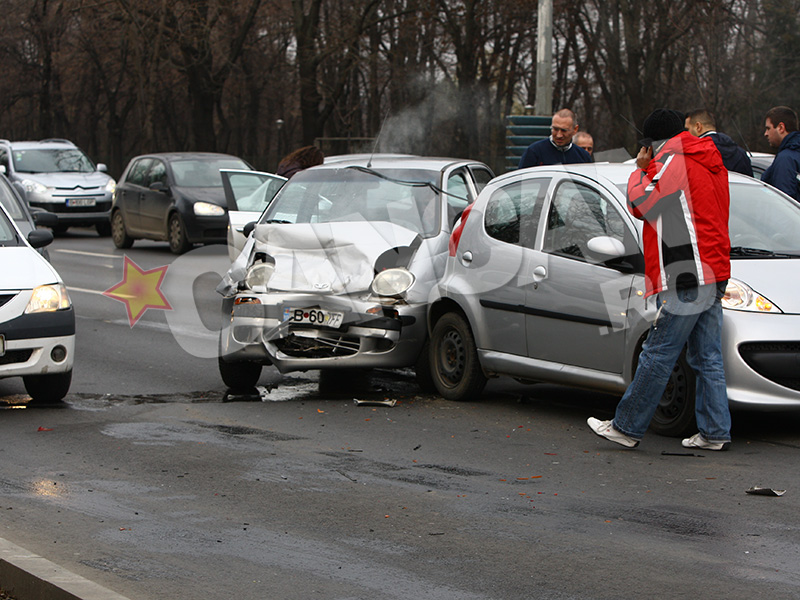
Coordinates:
(482, 177)
(458, 195)
(577, 214)
(158, 173)
(138, 172)
(512, 212)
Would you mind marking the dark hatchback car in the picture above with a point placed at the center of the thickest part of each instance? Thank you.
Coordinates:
(174, 196)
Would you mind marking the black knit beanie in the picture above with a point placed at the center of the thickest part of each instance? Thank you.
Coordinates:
(663, 123)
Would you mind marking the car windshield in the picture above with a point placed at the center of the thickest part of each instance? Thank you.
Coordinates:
(763, 222)
(203, 172)
(405, 197)
(9, 202)
(53, 160)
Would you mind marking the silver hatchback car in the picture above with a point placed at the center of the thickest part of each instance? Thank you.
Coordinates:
(545, 283)
(339, 269)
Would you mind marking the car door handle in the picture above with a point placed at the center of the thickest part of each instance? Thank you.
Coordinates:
(539, 273)
(466, 258)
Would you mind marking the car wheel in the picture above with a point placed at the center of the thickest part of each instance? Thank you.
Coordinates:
(46, 389)
(60, 229)
(455, 368)
(422, 369)
(239, 375)
(119, 234)
(675, 416)
(176, 233)
(103, 229)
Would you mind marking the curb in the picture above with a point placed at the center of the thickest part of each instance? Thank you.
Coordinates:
(30, 577)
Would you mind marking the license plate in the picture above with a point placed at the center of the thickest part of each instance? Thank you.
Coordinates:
(80, 201)
(313, 316)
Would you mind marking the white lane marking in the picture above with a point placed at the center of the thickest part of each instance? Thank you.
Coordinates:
(86, 253)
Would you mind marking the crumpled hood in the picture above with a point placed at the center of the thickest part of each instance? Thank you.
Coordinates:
(777, 279)
(68, 181)
(24, 269)
(333, 258)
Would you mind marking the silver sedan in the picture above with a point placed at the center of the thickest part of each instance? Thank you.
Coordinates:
(545, 283)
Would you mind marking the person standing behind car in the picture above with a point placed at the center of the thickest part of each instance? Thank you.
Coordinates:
(682, 196)
(781, 132)
(302, 158)
(585, 140)
(701, 123)
(558, 148)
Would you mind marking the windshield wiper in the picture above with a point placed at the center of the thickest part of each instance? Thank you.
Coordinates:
(270, 221)
(436, 189)
(760, 252)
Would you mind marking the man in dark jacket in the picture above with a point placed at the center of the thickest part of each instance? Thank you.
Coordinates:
(701, 123)
(558, 148)
(781, 131)
(682, 196)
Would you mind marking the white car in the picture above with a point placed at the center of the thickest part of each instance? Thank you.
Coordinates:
(37, 321)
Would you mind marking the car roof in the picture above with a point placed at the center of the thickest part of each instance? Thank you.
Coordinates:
(615, 173)
(168, 156)
(394, 161)
(54, 143)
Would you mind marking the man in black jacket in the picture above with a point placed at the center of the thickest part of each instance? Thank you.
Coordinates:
(700, 123)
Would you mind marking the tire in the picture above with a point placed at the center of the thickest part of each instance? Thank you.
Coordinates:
(239, 375)
(47, 389)
(176, 234)
(119, 233)
(103, 229)
(675, 416)
(455, 368)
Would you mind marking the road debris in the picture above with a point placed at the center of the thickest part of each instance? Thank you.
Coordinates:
(387, 402)
(762, 491)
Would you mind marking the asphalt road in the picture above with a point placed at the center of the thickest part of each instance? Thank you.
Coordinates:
(147, 483)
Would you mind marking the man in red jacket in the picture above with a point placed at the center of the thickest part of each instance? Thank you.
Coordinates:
(682, 196)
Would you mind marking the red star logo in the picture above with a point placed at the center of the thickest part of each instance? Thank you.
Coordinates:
(139, 290)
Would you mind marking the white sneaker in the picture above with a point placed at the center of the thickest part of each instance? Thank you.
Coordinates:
(698, 441)
(606, 429)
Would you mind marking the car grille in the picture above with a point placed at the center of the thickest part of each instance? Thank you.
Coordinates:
(63, 208)
(776, 361)
(6, 298)
(15, 356)
(325, 346)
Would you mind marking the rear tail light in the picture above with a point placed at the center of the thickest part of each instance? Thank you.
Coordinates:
(455, 237)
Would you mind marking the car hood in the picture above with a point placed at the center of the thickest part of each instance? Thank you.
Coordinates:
(24, 269)
(777, 279)
(213, 195)
(68, 180)
(323, 258)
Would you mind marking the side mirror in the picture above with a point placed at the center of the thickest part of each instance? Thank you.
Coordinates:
(102, 167)
(159, 186)
(606, 247)
(248, 229)
(44, 218)
(39, 238)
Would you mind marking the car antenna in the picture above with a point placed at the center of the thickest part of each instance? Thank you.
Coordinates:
(739, 131)
(621, 116)
(377, 140)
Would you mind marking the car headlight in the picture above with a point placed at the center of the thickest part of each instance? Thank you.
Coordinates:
(258, 276)
(111, 185)
(740, 296)
(207, 209)
(392, 282)
(29, 185)
(48, 298)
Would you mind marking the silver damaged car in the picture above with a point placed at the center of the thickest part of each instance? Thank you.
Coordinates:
(338, 271)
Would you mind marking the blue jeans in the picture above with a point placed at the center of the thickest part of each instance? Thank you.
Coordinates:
(691, 317)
